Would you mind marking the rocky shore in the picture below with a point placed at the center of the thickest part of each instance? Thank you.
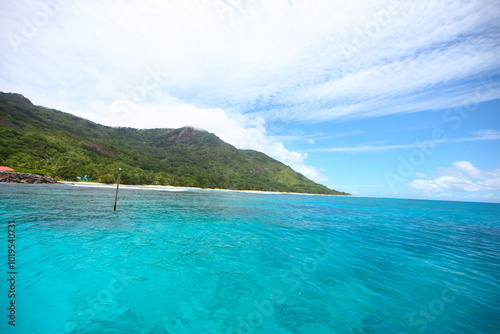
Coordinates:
(15, 177)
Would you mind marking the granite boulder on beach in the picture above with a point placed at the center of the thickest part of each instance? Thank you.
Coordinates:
(16, 177)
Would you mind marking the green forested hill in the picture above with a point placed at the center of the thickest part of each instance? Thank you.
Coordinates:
(53, 143)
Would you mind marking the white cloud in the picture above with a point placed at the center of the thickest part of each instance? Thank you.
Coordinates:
(463, 176)
(289, 56)
(233, 66)
(478, 136)
(445, 183)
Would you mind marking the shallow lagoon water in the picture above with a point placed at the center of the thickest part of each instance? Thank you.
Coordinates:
(204, 261)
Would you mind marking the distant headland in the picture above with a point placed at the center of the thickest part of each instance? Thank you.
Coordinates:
(58, 145)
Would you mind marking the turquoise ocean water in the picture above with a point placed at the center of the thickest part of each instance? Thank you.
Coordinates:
(202, 261)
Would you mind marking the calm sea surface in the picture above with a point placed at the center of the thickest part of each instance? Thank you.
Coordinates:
(229, 262)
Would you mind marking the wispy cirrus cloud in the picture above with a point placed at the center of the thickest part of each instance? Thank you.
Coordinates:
(481, 135)
(250, 62)
(297, 60)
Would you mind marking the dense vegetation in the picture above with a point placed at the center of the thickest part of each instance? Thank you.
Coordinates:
(53, 143)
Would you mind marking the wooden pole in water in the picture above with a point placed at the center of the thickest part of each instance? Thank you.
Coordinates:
(117, 185)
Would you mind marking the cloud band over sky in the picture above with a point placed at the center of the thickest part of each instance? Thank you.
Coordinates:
(233, 67)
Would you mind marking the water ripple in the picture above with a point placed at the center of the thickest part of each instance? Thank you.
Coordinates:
(223, 262)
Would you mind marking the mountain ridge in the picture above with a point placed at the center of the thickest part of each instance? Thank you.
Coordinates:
(57, 144)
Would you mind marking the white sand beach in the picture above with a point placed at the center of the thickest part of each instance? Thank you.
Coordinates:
(177, 189)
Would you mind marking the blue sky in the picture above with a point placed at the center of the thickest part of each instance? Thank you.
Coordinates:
(377, 98)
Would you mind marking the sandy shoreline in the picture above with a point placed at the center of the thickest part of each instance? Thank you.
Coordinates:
(178, 189)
